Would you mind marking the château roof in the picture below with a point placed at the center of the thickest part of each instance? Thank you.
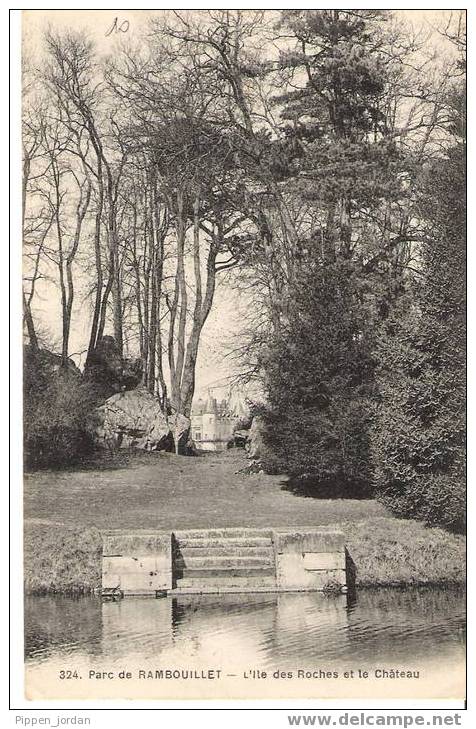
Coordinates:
(232, 407)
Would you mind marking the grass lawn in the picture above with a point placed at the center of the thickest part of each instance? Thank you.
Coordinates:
(66, 511)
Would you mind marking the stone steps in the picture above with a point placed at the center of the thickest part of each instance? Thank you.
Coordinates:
(226, 533)
(210, 561)
(217, 542)
(225, 550)
(223, 590)
(205, 584)
(207, 560)
(187, 573)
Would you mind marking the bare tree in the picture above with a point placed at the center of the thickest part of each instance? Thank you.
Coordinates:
(75, 78)
(37, 228)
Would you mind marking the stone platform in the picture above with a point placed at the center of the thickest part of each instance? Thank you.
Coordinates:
(227, 560)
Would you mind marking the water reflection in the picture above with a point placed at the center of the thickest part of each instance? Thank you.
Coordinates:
(281, 631)
(55, 624)
(408, 626)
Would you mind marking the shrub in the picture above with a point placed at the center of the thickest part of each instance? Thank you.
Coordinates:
(57, 415)
(327, 448)
(418, 431)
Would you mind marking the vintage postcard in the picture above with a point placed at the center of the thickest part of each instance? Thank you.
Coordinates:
(244, 336)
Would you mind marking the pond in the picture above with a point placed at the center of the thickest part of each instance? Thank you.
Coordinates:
(382, 643)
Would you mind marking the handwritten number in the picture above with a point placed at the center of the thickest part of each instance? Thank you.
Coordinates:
(118, 27)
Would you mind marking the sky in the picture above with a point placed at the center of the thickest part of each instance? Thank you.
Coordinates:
(100, 24)
(108, 28)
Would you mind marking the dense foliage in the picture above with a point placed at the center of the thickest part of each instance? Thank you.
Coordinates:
(319, 379)
(57, 413)
(364, 376)
(419, 429)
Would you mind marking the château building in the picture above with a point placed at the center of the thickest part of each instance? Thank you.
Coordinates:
(213, 422)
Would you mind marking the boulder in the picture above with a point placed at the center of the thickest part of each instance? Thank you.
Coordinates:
(132, 419)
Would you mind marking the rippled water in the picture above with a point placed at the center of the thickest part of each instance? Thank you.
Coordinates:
(409, 630)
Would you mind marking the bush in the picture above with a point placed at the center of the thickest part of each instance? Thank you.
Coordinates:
(418, 431)
(57, 414)
(437, 499)
(327, 449)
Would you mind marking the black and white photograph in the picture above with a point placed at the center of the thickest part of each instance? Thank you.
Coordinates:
(243, 243)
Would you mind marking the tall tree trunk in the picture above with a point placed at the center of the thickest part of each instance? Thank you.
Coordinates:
(152, 339)
(182, 323)
(61, 260)
(160, 233)
(30, 324)
(116, 289)
(104, 303)
(93, 336)
(137, 279)
(201, 310)
(178, 306)
(81, 211)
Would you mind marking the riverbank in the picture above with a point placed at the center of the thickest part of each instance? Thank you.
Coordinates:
(65, 513)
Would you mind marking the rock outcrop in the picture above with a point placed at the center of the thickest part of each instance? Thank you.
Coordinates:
(109, 370)
(133, 419)
(255, 440)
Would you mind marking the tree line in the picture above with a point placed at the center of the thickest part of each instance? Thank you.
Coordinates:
(316, 158)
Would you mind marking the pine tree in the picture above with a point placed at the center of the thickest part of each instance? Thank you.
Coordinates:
(343, 161)
(318, 367)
